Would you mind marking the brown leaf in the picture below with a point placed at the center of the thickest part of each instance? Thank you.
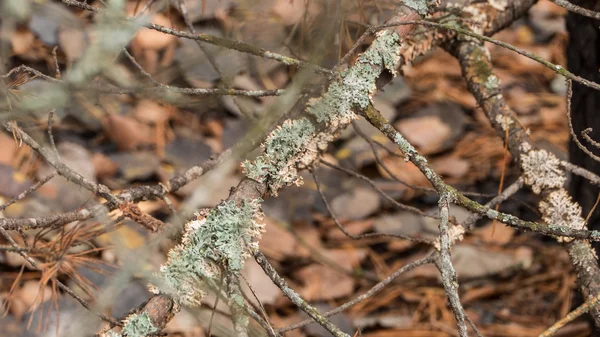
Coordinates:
(152, 39)
(321, 282)
(151, 112)
(127, 132)
(22, 42)
(474, 262)
(276, 242)
(501, 234)
(72, 42)
(262, 286)
(405, 171)
(357, 204)
(427, 133)
(450, 166)
(354, 228)
(9, 148)
(104, 166)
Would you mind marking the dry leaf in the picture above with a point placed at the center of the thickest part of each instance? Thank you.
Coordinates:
(72, 42)
(450, 166)
(427, 133)
(151, 112)
(127, 132)
(501, 234)
(321, 282)
(276, 242)
(356, 204)
(152, 39)
(262, 286)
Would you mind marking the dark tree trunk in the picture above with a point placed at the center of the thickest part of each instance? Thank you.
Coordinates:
(583, 58)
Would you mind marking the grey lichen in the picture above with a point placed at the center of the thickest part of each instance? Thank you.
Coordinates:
(138, 325)
(541, 170)
(504, 121)
(223, 237)
(405, 146)
(110, 334)
(492, 82)
(295, 144)
(559, 210)
(282, 149)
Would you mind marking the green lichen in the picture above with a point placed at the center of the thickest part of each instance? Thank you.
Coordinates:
(224, 238)
(420, 6)
(139, 325)
(358, 83)
(284, 144)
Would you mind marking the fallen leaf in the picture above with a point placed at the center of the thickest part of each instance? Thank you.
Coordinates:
(321, 282)
(276, 242)
(501, 234)
(22, 42)
(403, 170)
(72, 42)
(127, 132)
(151, 112)
(427, 133)
(475, 262)
(262, 287)
(9, 147)
(104, 166)
(450, 166)
(403, 223)
(136, 165)
(354, 228)
(147, 38)
(357, 204)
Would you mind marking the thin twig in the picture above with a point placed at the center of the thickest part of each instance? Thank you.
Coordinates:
(28, 191)
(51, 135)
(361, 236)
(295, 298)
(586, 135)
(221, 42)
(554, 67)
(571, 130)
(376, 188)
(370, 293)
(582, 172)
(507, 193)
(444, 264)
(63, 287)
(576, 9)
(55, 57)
(377, 120)
(582, 309)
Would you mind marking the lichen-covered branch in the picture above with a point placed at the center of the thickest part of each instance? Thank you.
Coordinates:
(298, 141)
(295, 298)
(541, 169)
(444, 264)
